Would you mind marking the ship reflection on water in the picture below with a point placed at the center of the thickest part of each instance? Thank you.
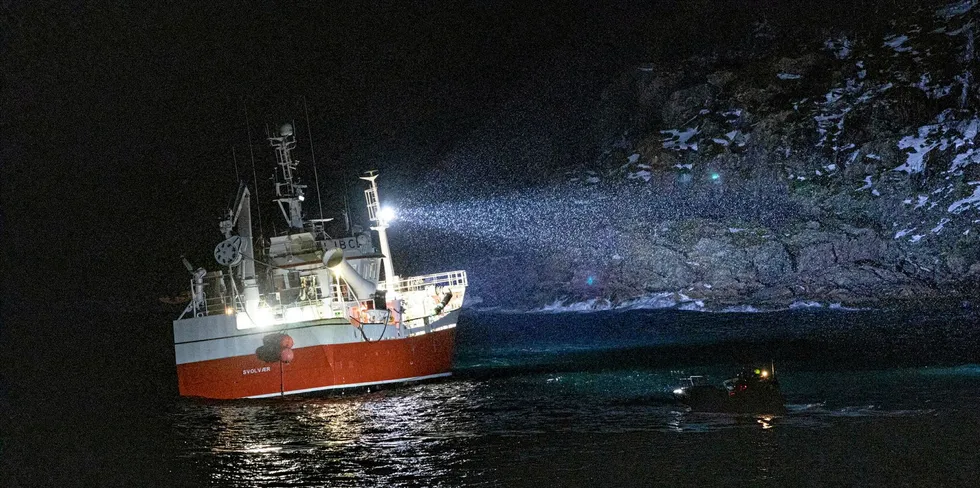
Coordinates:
(559, 414)
(362, 438)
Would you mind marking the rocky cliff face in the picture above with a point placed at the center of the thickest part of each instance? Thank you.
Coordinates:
(843, 167)
(874, 138)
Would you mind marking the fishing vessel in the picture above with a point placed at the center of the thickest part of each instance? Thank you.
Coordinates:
(306, 311)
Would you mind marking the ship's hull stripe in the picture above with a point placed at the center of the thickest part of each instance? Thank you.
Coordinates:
(192, 352)
(356, 385)
(261, 332)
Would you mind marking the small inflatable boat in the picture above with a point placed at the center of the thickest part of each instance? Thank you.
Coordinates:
(752, 391)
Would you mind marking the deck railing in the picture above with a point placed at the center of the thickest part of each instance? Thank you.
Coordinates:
(418, 283)
(221, 302)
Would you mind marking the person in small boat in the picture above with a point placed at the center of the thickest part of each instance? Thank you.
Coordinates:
(754, 379)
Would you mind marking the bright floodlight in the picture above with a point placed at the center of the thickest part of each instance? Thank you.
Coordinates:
(386, 214)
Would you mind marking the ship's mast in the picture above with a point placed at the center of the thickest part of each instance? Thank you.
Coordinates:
(376, 215)
(289, 193)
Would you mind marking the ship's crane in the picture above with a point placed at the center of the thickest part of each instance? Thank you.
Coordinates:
(241, 200)
(238, 250)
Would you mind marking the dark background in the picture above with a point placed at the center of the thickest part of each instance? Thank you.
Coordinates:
(117, 130)
(119, 123)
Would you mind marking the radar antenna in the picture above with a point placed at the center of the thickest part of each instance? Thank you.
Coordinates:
(289, 192)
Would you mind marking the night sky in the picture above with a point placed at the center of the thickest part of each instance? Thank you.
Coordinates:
(120, 122)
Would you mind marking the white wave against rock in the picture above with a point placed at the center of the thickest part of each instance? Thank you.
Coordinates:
(805, 304)
(591, 305)
(740, 309)
(654, 301)
(674, 301)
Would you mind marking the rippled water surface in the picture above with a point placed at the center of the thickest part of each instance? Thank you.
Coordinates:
(876, 399)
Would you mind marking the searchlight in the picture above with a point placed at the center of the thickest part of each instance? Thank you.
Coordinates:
(387, 214)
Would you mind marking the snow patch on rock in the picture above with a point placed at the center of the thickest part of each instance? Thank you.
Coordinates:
(972, 201)
(680, 140)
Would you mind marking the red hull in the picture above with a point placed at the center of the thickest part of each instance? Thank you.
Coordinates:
(322, 367)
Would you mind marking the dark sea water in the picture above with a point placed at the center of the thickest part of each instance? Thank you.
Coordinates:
(877, 398)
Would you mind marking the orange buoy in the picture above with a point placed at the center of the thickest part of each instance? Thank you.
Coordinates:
(286, 355)
(286, 342)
